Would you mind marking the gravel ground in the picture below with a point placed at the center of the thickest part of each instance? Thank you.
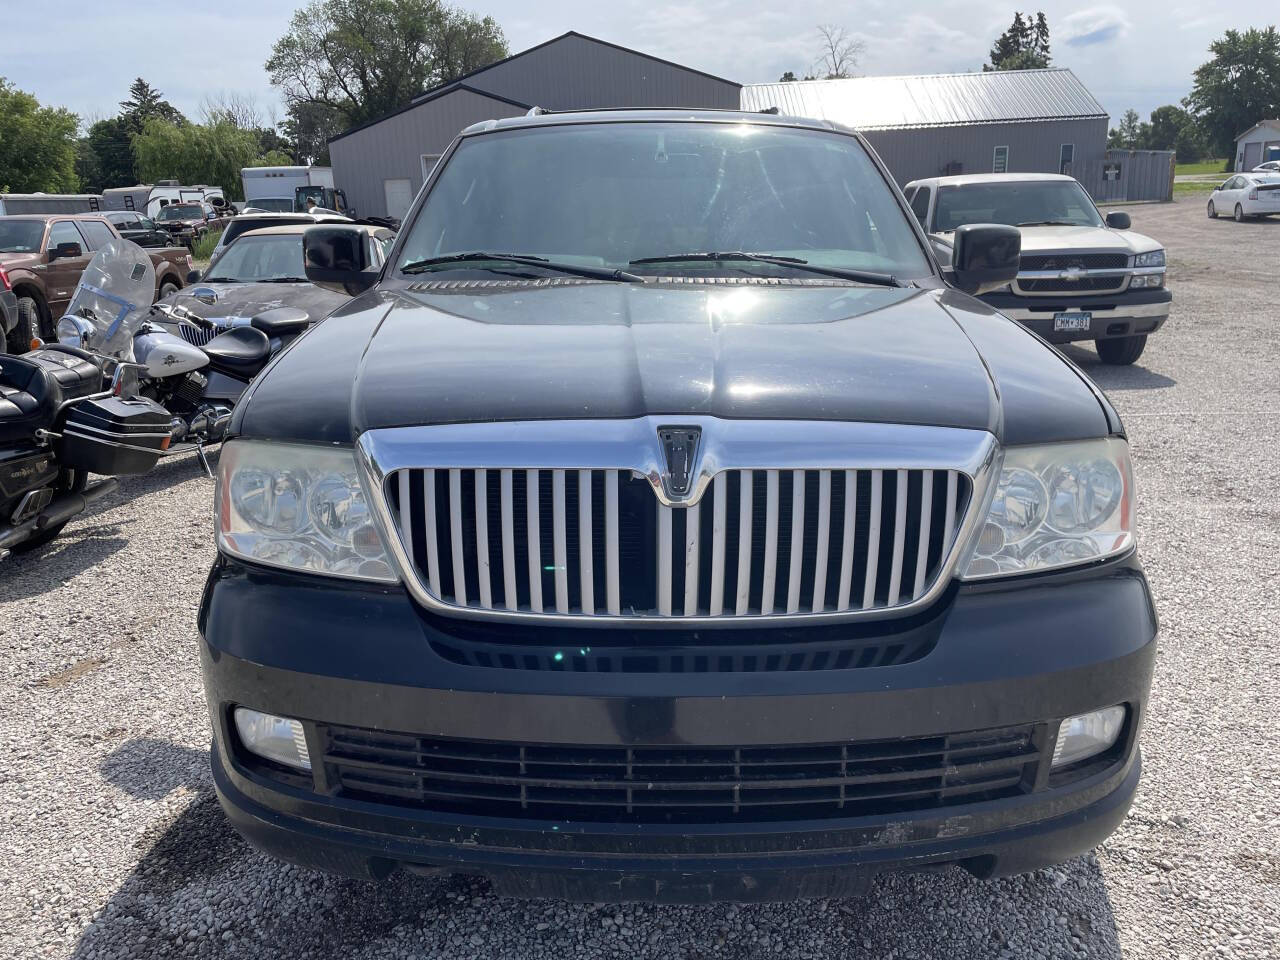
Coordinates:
(115, 846)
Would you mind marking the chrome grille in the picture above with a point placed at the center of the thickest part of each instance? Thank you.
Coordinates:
(600, 541)
(197, 336)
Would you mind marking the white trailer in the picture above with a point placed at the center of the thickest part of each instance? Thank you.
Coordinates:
(12, 204)
(274, 188)
(149, 199)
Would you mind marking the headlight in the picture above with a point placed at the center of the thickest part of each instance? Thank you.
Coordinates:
(298, 507)
(1153, 259)
(1054, 506)
(75, 331)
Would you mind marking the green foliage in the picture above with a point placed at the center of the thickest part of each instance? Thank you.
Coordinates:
(359, 59)
(147, 103)
(272, 158)
(195, 153)
(1238, 87)
(788, 77)
(37, 144)
(110, 143)
(1171, 128)
(309, 127)
(1024, 46)
(203, 249)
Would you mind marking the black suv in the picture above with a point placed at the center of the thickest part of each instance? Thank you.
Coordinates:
(663, 523)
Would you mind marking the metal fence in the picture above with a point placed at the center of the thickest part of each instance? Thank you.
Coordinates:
(1128, 175)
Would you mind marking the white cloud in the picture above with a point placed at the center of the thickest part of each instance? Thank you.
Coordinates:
(1093, 26)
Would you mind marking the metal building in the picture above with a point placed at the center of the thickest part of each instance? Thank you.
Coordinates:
(1039, 121)
(382, 164)
(1259, 143)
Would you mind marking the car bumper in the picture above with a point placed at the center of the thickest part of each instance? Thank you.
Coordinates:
(1031, 652)
(8, 310)
(1259, 208)
(1126, 314)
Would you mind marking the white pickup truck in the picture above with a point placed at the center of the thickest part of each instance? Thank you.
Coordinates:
(1082, 276)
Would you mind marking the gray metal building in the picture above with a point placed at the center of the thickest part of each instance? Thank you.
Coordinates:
(382, 164)
(1039, 121)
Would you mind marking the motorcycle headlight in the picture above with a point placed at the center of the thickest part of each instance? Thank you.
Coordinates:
(1056, 505)
(74, 332)
(1153, 259)
(299, 507)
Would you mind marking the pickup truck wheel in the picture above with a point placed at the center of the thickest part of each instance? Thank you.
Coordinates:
(29, 325)
(1213, 211)
(167, 288)
(1120, 351)
(1239, 214)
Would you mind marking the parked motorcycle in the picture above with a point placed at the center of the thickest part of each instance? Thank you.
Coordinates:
(195, 368)
(62, 419)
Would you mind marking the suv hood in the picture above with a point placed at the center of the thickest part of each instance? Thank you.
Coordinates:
(1092, 239)
(430, 353)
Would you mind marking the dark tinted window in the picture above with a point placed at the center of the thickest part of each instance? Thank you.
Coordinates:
(64, 231)
(99, 233)
(20, 236)
(610, 193)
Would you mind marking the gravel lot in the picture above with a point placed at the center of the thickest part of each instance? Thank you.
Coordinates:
(115, 846)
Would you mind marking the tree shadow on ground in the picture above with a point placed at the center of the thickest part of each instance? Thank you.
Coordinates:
(199, 890)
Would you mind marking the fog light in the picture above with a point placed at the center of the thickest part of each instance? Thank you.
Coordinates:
(274, 738)
(1087, 735)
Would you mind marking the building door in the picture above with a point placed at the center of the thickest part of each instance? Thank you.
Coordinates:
(1066, 156)
(398, 194)
(1252, 155)
(428, 164)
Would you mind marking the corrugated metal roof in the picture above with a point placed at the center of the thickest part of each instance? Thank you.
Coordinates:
(937, 100)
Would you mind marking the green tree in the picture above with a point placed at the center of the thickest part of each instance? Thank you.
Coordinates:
(195, 153)
(273, 158)
(1132, 134)
(788, 77)
(37, 144)
(1024, 46)
(308, 128)
(111, 143)
(147, 103)
(360, 59)
(1166, 124)
(1238, 87)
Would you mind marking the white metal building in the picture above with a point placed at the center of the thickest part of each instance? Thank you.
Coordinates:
(1257, 144)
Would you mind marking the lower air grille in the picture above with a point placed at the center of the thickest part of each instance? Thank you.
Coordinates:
(678, 784)
(599, 542)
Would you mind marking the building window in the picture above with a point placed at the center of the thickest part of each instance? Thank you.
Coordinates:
(428, 164)
(1000, 161)
(1065, 157)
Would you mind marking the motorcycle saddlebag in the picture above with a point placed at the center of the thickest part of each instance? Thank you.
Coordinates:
(114, 437)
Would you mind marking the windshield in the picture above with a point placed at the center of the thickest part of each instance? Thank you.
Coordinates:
(609, 194)
(1015, 203)
(181, 212)
(272, 204)
(255, 257)
(21, 236)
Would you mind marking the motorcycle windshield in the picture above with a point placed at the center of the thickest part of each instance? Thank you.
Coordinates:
(114, 294)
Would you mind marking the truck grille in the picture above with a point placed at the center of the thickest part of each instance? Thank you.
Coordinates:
(599, 542)
(678, 784)
(1060, 261)
(1107, 284)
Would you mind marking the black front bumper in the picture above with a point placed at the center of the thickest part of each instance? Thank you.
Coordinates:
(1125, 314)
(1029, 652)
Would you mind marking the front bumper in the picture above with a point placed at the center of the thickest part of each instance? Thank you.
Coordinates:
(8, 311)
(1033, 651)
(1124, 314)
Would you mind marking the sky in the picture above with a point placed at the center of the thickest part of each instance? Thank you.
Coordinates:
(1139, 55)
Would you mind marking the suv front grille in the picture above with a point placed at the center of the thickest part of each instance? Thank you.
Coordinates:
(678, 783)
(600, 543)
(1084, 284)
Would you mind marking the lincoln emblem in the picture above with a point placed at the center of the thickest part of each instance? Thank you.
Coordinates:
(679, 449)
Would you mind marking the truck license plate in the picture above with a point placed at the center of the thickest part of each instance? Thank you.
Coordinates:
(1071, 321)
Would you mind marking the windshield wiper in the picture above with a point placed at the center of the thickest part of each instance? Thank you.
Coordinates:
(1048, 223)
(863, 276)
(595, 273)
(282, 280)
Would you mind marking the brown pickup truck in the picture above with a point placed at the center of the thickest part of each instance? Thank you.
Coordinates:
(41, 259)
(189, 221)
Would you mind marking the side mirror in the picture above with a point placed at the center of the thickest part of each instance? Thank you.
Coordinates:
(211, 215)
(984, 257)
(1119, 220)
(337, 258)
(66, 251)
(193, 276)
